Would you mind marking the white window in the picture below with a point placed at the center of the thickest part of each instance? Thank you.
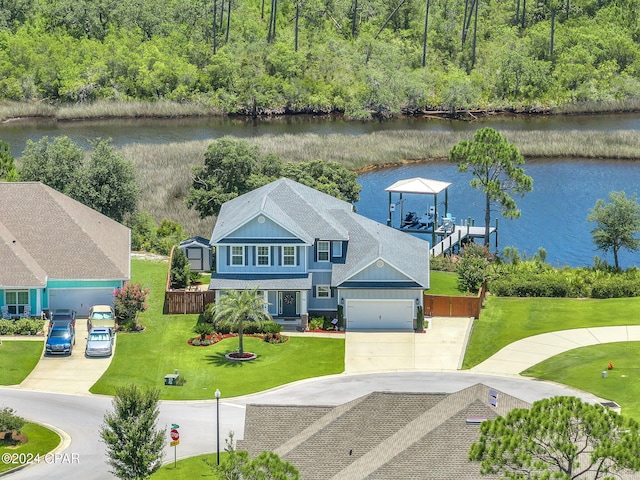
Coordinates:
(323, 251)
(323, 291)
(289, 256)
(237, 256)
(16, 300)
(264, 256)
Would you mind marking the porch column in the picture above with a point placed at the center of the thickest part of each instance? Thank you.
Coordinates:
(303, 302)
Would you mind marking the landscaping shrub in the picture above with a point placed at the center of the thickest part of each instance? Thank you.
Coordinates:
(420, 320)
(473, 267)
(28, 326)
(180, 270)
(271, 327)
(616, 286)
(9, 421)
(316, 323)
(203, 329)
(444, 263)
(275, 338)
(7, 327)
(129, 300)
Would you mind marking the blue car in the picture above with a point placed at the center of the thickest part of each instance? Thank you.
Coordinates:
(61, 338)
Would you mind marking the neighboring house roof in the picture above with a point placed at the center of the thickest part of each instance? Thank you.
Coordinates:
(195, 241)
(46, 235)
(310, 215)
(382, 435)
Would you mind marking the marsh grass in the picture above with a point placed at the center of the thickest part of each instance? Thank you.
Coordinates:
(118, 109)
(608, 106)
(165, 170)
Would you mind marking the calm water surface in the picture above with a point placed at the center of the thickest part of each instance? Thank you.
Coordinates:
(553, 215)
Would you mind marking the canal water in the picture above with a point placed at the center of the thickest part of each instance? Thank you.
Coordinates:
(553, 214)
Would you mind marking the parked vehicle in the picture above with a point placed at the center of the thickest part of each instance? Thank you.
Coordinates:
(61, 338)
(63, 315)
(101, 316)
(99, 342)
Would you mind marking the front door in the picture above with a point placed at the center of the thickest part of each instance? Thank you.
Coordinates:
(289, 304)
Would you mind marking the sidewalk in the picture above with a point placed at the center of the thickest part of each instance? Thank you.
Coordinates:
(525, 353)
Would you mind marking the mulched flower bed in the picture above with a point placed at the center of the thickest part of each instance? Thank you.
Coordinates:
(216, 337)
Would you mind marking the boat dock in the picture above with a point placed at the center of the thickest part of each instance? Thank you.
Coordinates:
(456, 237)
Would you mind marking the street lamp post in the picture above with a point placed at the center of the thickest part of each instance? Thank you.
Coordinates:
(218, 426)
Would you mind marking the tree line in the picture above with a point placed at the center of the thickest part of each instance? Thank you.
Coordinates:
(353, 56)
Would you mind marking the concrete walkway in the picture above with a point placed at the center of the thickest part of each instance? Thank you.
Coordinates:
(525, 353)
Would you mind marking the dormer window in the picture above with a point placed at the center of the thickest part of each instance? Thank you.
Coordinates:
(323, 250)
(237, 256)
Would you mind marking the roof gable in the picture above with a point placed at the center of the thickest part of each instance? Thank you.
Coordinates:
(303, 211)
(261, 226)
(63, 237)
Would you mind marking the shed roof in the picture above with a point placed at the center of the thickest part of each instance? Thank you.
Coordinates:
(418, 185)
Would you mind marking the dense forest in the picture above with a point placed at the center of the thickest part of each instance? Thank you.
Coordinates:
(353, 56)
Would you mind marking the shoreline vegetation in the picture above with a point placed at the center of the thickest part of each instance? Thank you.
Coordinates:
(11, 111)
(165, 170)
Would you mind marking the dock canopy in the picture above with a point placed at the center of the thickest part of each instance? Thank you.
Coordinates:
(418, 185)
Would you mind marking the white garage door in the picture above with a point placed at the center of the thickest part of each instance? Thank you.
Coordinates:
(80, 299)
(380, 314)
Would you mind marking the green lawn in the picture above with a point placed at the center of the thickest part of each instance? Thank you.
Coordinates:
(145, 358)
(505, 320)
(443, 283)
(18, 358)
(41, 441)
(192, 467)
(582, 368)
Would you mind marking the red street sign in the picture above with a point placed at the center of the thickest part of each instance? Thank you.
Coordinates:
(175, 435)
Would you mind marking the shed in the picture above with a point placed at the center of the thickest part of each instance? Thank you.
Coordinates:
(198, 252)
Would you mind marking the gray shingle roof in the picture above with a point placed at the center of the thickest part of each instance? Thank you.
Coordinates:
(379, 436)
(45, 234)
(266, 282)
(310, 214)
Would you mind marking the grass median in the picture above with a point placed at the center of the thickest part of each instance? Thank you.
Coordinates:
(41, 441)
(145, 358)
(505, 320)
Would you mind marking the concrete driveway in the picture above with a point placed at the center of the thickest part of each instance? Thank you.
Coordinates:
(73, 374)
(440, 348)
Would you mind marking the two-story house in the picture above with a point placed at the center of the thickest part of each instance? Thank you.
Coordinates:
(308, 252)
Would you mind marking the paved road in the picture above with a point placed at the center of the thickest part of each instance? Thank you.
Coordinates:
(80, 416)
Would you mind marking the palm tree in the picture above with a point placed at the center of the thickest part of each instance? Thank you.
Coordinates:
(239, 306)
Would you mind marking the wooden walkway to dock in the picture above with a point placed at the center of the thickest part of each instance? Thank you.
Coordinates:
(459, 234)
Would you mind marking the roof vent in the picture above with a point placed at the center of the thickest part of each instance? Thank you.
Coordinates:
(493, 398)
(475, 420)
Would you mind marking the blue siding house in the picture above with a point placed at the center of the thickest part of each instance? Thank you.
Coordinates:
(56, 252)
(308, 252)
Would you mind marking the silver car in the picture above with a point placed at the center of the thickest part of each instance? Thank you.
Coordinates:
(99, 342)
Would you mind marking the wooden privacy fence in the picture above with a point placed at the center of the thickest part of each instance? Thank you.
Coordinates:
(185, 301)
(182, 301)
(454, 306)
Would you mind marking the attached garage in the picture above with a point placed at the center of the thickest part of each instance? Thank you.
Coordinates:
(379, 314)
(80, 299)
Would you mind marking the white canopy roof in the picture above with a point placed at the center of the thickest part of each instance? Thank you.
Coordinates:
(418, 185)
